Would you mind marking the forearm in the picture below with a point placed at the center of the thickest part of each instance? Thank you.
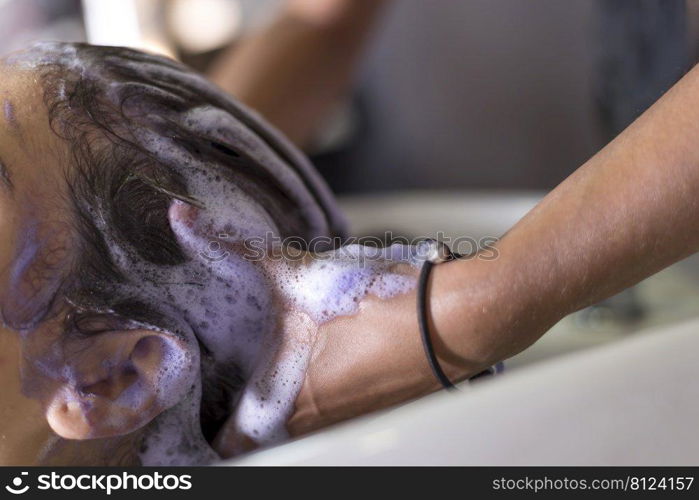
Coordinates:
(627, 213)
(294, 71)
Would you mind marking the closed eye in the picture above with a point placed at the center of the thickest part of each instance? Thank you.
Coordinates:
(5, 178)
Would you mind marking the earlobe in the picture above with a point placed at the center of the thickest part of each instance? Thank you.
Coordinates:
(119, 383)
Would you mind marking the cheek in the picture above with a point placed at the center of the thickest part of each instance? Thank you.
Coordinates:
(23, 427)
(9, 359)
(42, 360)
(10, 384)
(17, 412)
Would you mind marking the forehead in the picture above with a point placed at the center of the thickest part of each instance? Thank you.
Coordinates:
(26, 138)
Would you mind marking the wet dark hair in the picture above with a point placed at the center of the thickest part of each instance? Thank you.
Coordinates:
(100, 106)
(110, 167)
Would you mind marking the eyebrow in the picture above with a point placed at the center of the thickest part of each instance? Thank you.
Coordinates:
(9, 112)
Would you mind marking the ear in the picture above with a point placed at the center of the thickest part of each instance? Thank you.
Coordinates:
(118, 381)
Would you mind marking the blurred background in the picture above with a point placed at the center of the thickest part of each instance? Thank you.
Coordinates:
(506, 94)
(462, 113)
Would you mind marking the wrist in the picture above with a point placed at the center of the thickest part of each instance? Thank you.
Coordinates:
(483, 312)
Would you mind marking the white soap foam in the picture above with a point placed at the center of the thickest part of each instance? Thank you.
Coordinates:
(324, 287)
(332, 283)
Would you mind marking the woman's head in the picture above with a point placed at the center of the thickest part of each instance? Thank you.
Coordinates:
(104, 152)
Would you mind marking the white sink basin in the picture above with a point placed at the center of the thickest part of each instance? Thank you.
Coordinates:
(668, 297)
(425, 214)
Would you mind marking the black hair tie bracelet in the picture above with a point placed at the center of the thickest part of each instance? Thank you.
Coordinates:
(439, 253)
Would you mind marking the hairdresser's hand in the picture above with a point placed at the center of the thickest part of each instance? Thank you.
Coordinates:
(375, 359)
